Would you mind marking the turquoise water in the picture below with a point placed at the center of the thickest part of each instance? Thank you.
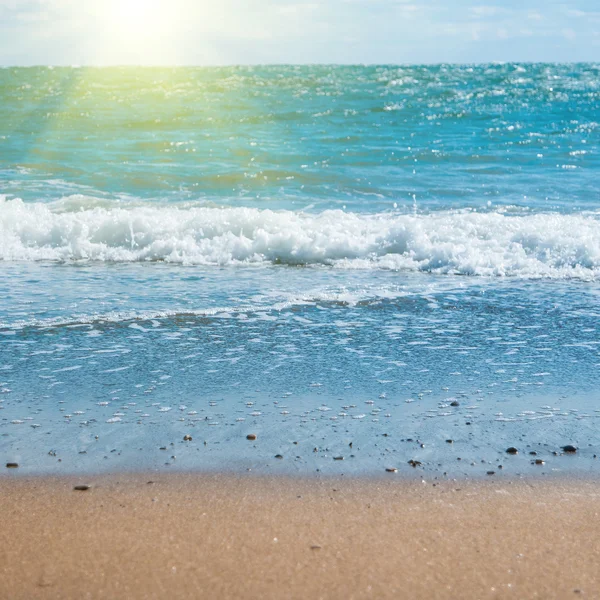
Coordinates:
(367, 138)
(319, 255)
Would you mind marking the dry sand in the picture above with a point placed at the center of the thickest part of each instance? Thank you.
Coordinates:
(204, 536)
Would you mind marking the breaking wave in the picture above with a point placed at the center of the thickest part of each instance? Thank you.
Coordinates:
(542, 245)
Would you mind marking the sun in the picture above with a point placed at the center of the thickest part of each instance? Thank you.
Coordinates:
(138, 28)
(139, 18)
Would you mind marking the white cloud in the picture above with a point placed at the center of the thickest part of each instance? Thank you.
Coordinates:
(485, 11)
(298, 9)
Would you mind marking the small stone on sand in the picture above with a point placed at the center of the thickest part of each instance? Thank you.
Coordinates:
(569, 449)
(251, 436)
(278, 456)
(12, 465)
(512, 450)
(81, 488)
(338, 458)
(391, 469)
(187, 438)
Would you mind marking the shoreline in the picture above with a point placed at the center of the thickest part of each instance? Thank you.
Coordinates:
(213, 535)
(402, 473)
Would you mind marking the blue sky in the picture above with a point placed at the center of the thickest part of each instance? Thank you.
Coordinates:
(296, 31)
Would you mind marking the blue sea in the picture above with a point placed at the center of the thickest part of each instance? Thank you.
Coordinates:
(360, 265)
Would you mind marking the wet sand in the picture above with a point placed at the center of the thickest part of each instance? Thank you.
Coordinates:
(215, 536)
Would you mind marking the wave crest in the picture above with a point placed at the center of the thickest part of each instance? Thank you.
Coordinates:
(455, 242)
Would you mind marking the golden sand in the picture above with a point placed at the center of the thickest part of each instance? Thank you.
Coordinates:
(205, 536)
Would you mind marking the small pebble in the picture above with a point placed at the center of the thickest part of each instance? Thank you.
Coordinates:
(391, 469)
(455, 403)
(12, 465)
(338, 458)
(512, 450)
(449, 441)
(278, 456)
(81, 488)
(491, 472)
(187, 438)
(569, 449)
(414, 463)
(251, 436)
(538, 461)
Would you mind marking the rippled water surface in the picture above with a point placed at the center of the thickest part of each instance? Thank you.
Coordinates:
(349, 262)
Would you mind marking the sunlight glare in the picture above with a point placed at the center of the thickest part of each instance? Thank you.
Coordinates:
(143, 26)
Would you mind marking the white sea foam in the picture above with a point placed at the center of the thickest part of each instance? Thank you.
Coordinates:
(549, 245)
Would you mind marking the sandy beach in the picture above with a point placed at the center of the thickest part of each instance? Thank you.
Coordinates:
(216, 536)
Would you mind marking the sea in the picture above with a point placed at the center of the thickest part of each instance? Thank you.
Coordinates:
(364, 267)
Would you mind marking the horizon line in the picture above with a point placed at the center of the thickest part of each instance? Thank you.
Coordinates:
(291, 64)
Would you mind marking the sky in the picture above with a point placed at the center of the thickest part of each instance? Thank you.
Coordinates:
(222, 32)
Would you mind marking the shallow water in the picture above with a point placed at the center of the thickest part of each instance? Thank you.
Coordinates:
(318, 255)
